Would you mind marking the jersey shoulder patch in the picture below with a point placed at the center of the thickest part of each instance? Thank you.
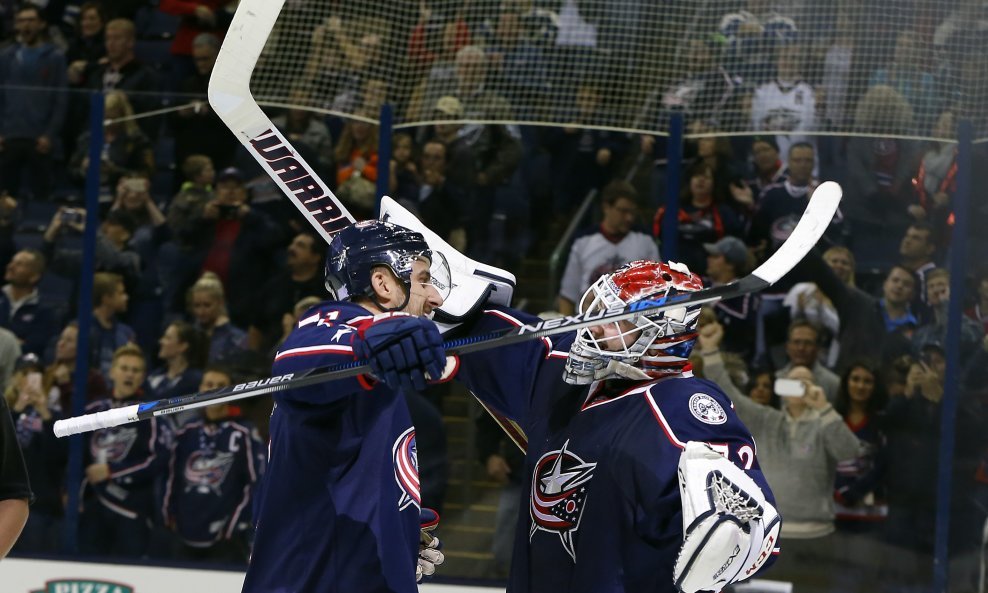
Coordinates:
(690, 409)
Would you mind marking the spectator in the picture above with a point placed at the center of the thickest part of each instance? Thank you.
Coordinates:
(482, 160)
(447, 37)
(404, 181)
(582, 159)
(109, 334)
(301, 276)
(182, 350)
(89, 46)
(21, 310)
(122, 465)
(215, 463)
(917, 250)
(234, 240)
(199, 18)
(126, 148)
(806, 301)
(897, 295)
(227, 342)
(786, 104)
(706, 93)
(356, 166)
(34, 405)
(196, 191)
(727, 260)
(518, 65)
(701, 218)
(761, 388)
(880, 169)
(753, 35)
(767, 168)
(32, 106)
(306, 132)
(799, 448)
(935, 332)
(803, 350)
(782, 204)
(979, 311)
(15, 490)
(859, 492)
(62, 371)
(904, 75)
(716, 151)
(198, 130)
(113, 252)
(936, 180)
(439, 203)
(122, 71)
(863, 328)
(613, 244)
(479, 101)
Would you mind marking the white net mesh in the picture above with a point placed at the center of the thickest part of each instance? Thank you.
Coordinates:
(793, 67)
(728, 498)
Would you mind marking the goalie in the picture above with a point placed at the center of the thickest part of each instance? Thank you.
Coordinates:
(639, 476)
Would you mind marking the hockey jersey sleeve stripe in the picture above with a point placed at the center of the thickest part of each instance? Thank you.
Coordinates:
(311, 350)
(116, 508)
(662, 421)
(236, 512)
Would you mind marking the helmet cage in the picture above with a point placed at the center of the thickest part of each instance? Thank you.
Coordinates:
(664, 339)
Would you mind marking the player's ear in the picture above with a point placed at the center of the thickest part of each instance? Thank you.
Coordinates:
(385, 285)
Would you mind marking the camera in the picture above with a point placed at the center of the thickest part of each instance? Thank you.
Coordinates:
(72, 216)
(790, 388)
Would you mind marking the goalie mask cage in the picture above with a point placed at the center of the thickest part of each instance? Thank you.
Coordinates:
(883, 68)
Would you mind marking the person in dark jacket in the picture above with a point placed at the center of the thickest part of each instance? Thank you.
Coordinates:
(30, 118)
(21, 310)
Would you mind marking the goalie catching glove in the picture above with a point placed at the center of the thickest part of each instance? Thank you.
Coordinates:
(729, 528)
(430, 550)
(401, 349)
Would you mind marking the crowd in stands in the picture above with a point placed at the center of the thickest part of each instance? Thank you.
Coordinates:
(202, 266)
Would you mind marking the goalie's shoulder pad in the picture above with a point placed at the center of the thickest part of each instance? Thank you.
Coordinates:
(693, 410)
(729, 527)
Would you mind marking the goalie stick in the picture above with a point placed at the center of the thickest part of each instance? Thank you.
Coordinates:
(808, 231)
(231, 99)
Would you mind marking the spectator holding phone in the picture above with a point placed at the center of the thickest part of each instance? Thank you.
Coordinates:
(799, 448)
(34, 405)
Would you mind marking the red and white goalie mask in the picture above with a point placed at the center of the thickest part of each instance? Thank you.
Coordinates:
(647, 347)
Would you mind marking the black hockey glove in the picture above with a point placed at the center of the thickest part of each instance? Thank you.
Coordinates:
(401, 349)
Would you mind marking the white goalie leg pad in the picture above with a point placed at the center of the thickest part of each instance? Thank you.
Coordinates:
(474, 283)
(729, 528)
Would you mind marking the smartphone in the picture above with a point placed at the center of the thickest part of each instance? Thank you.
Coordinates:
(71, 216)
(134, 184)
(790, 388)
(34, 380)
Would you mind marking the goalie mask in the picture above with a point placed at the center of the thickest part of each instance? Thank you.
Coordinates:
(648, 347)
(356, 250)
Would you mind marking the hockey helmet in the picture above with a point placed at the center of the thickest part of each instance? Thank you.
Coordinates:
(360, 247)
(648, 347)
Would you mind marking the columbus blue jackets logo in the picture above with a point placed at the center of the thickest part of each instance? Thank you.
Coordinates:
(706, 409)
(113, 445)
(559, 494)
(205, 471)
(406, 461)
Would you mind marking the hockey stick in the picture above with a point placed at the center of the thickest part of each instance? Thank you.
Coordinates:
(808, 231)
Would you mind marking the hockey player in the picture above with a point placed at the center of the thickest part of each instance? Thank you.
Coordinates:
(123, 462)
(638, 476)
(338, 509)
(215, 463)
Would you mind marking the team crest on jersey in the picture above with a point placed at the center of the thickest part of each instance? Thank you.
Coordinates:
(406, 461)
(706, 409)
(559, 494)
(113, 445)
(206, 470)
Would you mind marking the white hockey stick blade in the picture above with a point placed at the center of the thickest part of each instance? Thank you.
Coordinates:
(231, 99)
(814, 222)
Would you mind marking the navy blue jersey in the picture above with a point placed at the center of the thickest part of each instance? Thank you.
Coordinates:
(338, 508)
(211, 474)
(137, 453)
(601, 509)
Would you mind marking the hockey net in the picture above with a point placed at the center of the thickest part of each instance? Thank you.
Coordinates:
(883, 68)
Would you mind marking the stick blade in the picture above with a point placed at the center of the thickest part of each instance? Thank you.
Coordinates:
(814, 222)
